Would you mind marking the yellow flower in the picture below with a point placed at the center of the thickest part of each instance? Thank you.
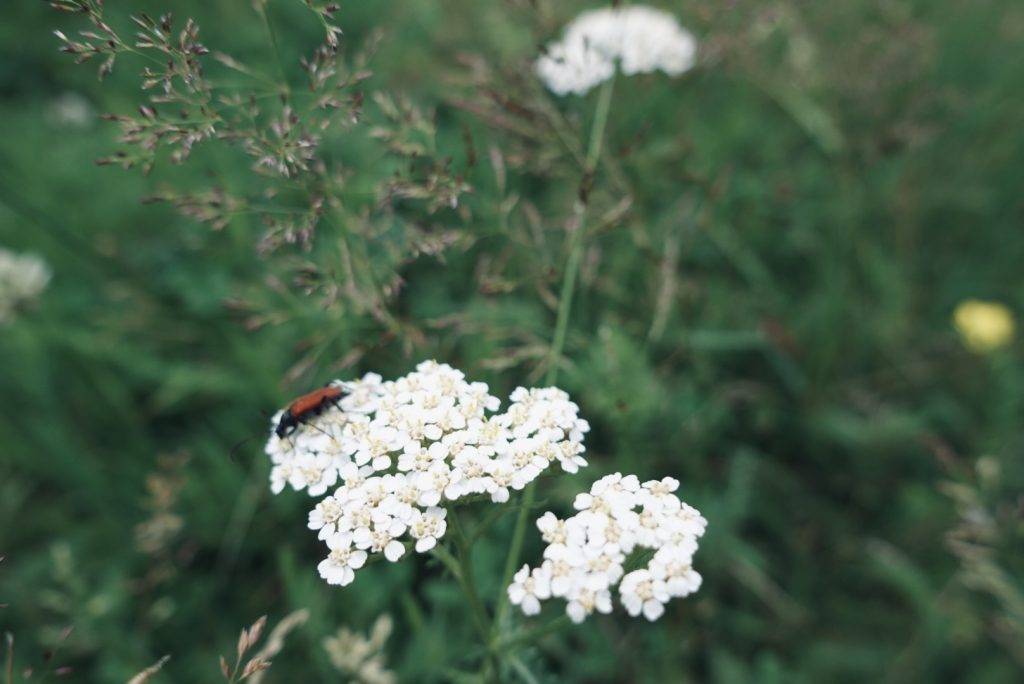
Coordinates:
(983, 326)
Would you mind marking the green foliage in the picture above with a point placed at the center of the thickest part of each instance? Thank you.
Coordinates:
(774, 245)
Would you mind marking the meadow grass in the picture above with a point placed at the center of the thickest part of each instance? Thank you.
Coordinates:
(773, 250)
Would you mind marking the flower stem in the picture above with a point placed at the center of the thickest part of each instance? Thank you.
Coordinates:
(569, 277)
(576, 242)
(604, 105)
(461, 565)
(529, 636)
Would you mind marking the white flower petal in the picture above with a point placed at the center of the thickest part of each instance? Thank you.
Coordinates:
(394, 550)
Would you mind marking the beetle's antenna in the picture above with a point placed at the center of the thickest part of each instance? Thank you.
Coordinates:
(318, 429)
(234, 449)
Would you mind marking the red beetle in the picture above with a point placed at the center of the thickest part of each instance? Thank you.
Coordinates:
(307, 405)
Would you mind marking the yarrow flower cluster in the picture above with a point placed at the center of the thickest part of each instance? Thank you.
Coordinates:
(402, 448)
(638, 38)
(22, 278)
(586, 554)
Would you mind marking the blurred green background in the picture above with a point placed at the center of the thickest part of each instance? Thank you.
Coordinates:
(769, 320)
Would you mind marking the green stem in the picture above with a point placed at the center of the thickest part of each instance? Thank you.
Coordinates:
(576, 242)
(461, 566)
(466, 565)
(512, 560)
(604, 105)
(262, 8)
(572, 267)
(10, 658)
(569, 277)
(529, 636)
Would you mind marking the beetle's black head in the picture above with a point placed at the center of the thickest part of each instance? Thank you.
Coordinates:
(286, 425)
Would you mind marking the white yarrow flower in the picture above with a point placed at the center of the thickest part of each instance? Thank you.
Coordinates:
(22, 278)
(427, 528)
(340, 565)
(529, 588)
(636, 38)
(400, 448)
(586, 554)
(640, 592)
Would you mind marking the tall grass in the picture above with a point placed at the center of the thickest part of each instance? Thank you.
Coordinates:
(772, 253)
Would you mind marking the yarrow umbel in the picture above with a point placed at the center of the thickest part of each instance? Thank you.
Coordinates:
(401, 449)
(637, 38)
(586, 553)
(22, 278)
